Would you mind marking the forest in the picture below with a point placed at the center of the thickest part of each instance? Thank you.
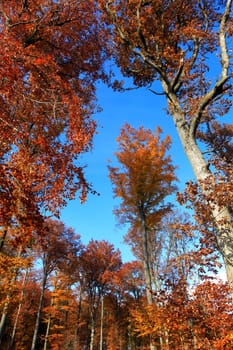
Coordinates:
(57, 293)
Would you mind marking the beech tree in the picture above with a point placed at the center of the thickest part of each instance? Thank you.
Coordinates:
(13, 261)
(51, 56)
(98, 263)
(142, 181)
(58, 246)
(127, 292)
(185, 45)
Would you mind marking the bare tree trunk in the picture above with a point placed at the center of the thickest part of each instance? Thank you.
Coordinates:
(78, 317)
(38, 315)
(166, 340)
(146, 259)
(18, 312)
(8, 297)
(4, 316)
(92, 334)
(101, 322)
(221, 215)
(146, 267)
(2, 239)
(187, 133)
(48, 326)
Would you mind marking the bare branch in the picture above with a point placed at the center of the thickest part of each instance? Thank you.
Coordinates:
(203, 10)
(157, 93)
(139, 29)
(222, 41)
(175, 84)
(114, 19)
(218, 89)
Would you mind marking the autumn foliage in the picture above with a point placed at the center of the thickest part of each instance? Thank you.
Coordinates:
(91, 297)
(47, 97)
(57, 293)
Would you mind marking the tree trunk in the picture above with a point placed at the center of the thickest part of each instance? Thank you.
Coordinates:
(77, 330)
(4, 316)
(92, 334)
(101, 322)
(47, 333)
(2, 239)
(146, 267)
(8, 297)
(221, 215)
(48, 325)
(38, 315)
(146, 260)
(12, 340)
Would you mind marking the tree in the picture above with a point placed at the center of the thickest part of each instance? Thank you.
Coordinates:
(142, 182)
(98, 263)
(60, 315)
(13, 260)
(52, 55)
(54, 250)
(211, 310)
(185, 46)
(127, 292)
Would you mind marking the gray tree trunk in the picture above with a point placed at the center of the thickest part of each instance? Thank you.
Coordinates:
(11, 345)
(221, 215)
(48, 326)
(92, 334)
(38, 315)
(4, 316)
(146, 267)
(101, 322)
(146, 264)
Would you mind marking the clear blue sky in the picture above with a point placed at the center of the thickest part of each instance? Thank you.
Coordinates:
(95, 219)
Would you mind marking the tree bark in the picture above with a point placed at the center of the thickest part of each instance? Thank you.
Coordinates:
(101, 322)
(38, 315)
(221, 215)
(12, 340)
(8, 298)
(146, 266)
(4, 316)
(48, 324)
(92, 336)
(2, 239)
(77, 330)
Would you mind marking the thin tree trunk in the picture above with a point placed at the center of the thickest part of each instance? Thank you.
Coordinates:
(47, 332)
(101, 322)
(12, 340)
(48, 326)
(166, 334)
(92, 333)
(4, 316)
(146, 268)
(8, 297)
(50, 316)
(78, 318)
(146, 261)
(2, 239)
(38, 315)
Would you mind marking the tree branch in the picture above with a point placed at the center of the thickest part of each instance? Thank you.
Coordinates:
(218, 89)
(113, 16)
